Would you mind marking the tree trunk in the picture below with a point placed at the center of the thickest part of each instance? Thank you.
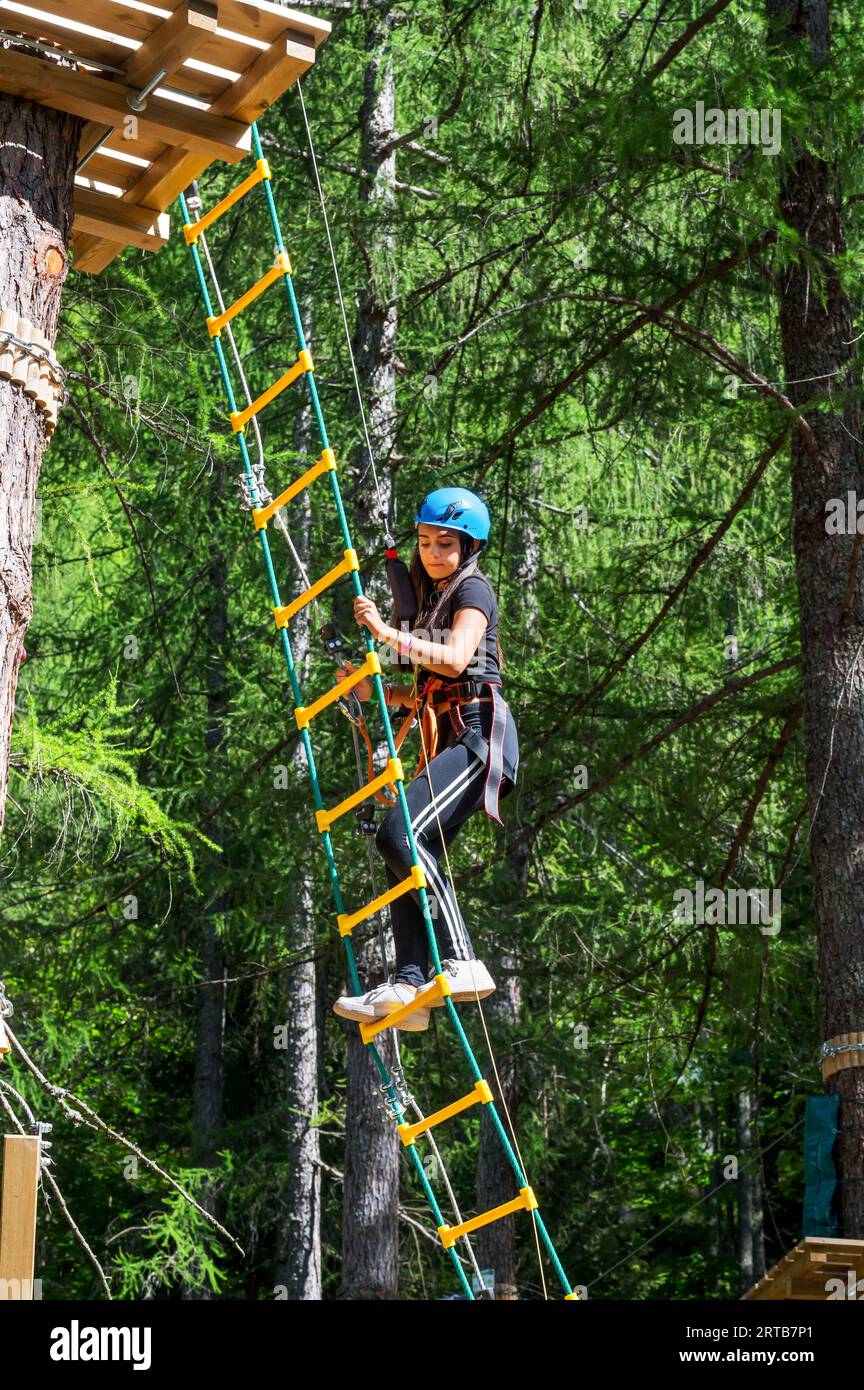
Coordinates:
(745, 1194)
(496, 1181)
(38, 149)
(299, 1262)
(298, 1266)
(819, 356)
(751, 1240)
(371, 1191)
(715, 1229)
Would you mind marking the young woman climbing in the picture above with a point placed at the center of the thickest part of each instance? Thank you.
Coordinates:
(471, 742)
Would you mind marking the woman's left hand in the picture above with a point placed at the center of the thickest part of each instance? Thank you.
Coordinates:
(367, 615)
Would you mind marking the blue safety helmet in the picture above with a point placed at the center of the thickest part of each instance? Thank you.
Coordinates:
(456, 508)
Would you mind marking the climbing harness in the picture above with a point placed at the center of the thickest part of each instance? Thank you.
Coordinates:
(395, 1095)
(453, 695)
(440, 696)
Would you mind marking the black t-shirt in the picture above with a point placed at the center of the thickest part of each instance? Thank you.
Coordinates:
(473, 592)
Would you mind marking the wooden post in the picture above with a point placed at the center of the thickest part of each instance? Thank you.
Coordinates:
(21, 1157)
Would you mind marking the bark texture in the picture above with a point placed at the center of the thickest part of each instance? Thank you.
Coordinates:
(38, 148)
(819, 353)
(496, 1181)
(371, 1188)
(751, 1242)
(299, 1257)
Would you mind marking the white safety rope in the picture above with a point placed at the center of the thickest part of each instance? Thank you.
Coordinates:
(398, 1080)
(470, 964)
(383, 514)
(381, 507)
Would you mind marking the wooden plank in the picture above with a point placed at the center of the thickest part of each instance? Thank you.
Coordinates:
(96, 99)
(804, 1291)
(261, 47)
(147, 150)
(166, 179)
(101, 215)
(228, 56)
(249, 21)
(166, 48)
(75, 18)
(92, 254)
(93, 185)
(845, 1247)
(802, 1273)
(21, 1155)
(769, 1290)
(107, 170)
(171, 175)
(175, 40)
(266, 80)
(50, 24)
(263, 20)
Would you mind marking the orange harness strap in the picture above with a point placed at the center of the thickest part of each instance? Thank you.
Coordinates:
(428, 744)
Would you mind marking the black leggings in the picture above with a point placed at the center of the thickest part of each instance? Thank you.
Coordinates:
(458, 780)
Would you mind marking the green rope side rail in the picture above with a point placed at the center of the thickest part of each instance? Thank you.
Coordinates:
(388, 1086)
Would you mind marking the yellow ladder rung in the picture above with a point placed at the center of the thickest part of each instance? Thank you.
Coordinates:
(284, 614)
(216, 322)
(481, 1092)
(371, 667)
(525, 1201)
(240, 418)
(393, 772)
(348, 920)
(326, 463)
(193, 230)
(438, 990)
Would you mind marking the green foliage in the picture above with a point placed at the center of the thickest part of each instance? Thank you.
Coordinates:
(95, 779)
(175, 1247)
(529, 369)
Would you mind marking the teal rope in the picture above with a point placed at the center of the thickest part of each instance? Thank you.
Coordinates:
(392, 1097)
(377, 684)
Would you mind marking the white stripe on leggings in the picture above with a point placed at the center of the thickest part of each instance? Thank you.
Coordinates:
(455, 789)
(452, 917)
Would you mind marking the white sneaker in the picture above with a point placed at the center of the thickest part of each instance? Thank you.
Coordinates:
(469, 980)
(380, 1001)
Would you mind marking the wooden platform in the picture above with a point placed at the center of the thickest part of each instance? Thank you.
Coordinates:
(223, 63)
(805, 1271)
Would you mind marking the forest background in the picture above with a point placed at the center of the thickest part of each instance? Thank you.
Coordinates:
(555, 303)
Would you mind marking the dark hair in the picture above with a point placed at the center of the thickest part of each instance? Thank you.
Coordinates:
(424, 585)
